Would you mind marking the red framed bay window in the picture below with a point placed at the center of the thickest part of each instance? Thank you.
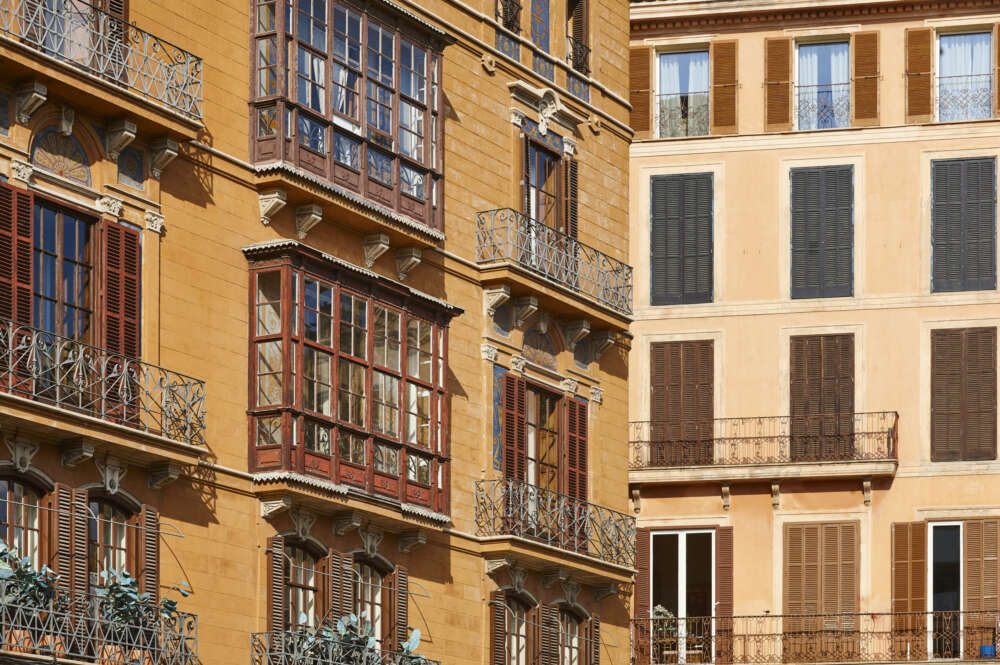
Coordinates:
(348, 380)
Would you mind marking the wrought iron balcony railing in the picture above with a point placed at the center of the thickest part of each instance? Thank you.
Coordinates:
(82, 36)
(578, 55)
(850, 437)
(682, 114)
(301, 648)
(965, 97)
(509, 15)
(507, 235)
(513, 508)
(84, 379)
(76, 630)
(825, 106)
(816, 638)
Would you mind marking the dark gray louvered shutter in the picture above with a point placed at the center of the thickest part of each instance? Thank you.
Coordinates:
(963, 225)
(963, 394)
(822, 201)
(681, 248)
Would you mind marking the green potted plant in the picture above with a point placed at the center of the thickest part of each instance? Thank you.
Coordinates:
(30, 598)
(132, 621)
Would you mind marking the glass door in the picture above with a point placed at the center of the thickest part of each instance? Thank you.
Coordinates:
(683, 597)
(945, 602)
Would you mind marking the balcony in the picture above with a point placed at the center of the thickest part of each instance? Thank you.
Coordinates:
(826, 106)
(517, 509)
(509, 14)
(82, 380)
(302, 648)
(578, 55)
(965, 97)
(76, 629)
(682, 114)
(757, 448)
(816, 638)
(507, 236)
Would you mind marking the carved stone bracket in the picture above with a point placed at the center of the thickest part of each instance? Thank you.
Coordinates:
(495, 565)
(154, 221)
(371, 538)
(66, 117)
(597, 395)
(517, 117)
(518, 363)
(569, 386)
(344, 521)
(569, 147)
(21, 170)
(553, 575)
(111, 471)
(29, 98)
(595, 124)
(599, 593)
(111, 205)
(302, 521)
(489, 352)
(162, 152)
(775, 495)
(636, 495)
(725, 496)
(275, 507)
(601, 342)
(306, 217)
(494, 298)
(407, 259)
(75, 452)
(376, 245)
(119, 134)
(576, 331)
(162, 474)
(270, 203)
(410, 539)
(866, 489)
(543, 322)
(518, 577)
(489, 63)
(21, 451)
(571, 590)
(524, 308)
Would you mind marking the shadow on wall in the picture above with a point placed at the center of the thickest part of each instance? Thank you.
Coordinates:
(191, 177)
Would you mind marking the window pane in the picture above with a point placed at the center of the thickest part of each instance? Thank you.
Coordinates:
(418, 415)
(387, 339)
(269, 431)
(385, 408)
(267, 66)
(353, 325)
(824, 90)
(965, 85)
(351, 448)
(418, 351)
(265, 16)
(269, 303)
(269, 373)
(267, 122)
(311, 71)
(380, 54)
(312, 133)
(352, 393)
(380, 167)
(317, 381)
(411, 181)
(411, 130)
(386, 459)
(317, 438)
(345, 91)
(347, 36)
(413, 75)
(418, 469)
(682, 99)
(312, 23)
(347, 151)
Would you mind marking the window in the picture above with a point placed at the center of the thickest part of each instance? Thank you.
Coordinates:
(368, 595)
(267, 66)
(301, 587)
(946, 588)
(517, 632)
(963, 394)
(543, 439)
(682, 377)
(542, 185)
(822, 232)
(63, 275)
(569, 638)
(965, 79)
(108, 538)
(682, 99)
(963, 225)
(19, 519)
(386, 460)
(824, 86)
(681, 243)
(683, 583)
(821, 409)
(577, 50)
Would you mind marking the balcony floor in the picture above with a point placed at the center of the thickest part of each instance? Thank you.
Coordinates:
(755, 473)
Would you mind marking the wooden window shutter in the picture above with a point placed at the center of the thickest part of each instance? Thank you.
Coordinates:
(724, 84)
(963, 394)
(982, 570)
(640, 90)
(822, 236)
(340, 586)
(821, 397)
(122, 290)
(16, 254)
(549, 635)
(801, 580)
(81, 546)
(919, 50)
(909, 589)
(682, 251)
(117, 8)
(525, 173)
(498, 628)
(642, 640)
(62, 537)
(515, 448)
(571, 190)
(594, 632)
(963, 225)
(864, 50)
(576, 448)
(947, 399)
(946, 225)
(980, 395)
(724, 594)
(148, 555)
(996, 69)
(276, 610)
(401, 605)
(658, 369)
(683, 401)
(777, 85)
(580, 18)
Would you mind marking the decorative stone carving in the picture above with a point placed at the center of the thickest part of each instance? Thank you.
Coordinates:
(111, 205)
(569, 146)
(119, 134)
(518, 363)
(494, 298)
(524, 308)
(66, 117)
(75, 452)
(111, 471)
(543, 322)
(270, 203)
(597, 395)
(371, 538)
(725, 496)
(575, 331)
(489, 352)
(29, 98)
(376, 245)
(274, 507)
(20, 170)
(601, 342)
(162, 152)
(489, 63)
(60, 155)
(494, 565)
(154, 221)
(344, 521)
(548, 106)
(599, 593)
(553, 575)
(306, 217)
(302, 521)
(517, 117)
(775, 495)
(410, 539)
(407, 259)
(571, 590)
(569, 386)
(21, 451)
(162, 474)
(866, 488)
(518, 576)
(636, 495)
(595, 123)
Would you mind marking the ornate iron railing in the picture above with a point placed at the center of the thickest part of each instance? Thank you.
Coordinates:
(83, 36)
(509, 15)
(578, 55)
(513, 508)
(507, 235)
(682, 114)
(71, 375)
(816, 638)
(76, 629)
(824, 106)
(849, 437)
(301, 648)
(965, 97)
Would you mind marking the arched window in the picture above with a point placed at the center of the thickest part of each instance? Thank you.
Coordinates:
(19, 518)
(517, 632)
(369, 584)
(569, 638)
(301, 587)
(107, 539)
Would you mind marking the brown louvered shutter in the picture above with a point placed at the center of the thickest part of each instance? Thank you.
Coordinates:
(549, 635)
(980, 436)
(571, 190)
(62, 531)
(724, 85)
(276, 584)
(683, 404)
(117, 8)
(595, 641)
(640, 90)
(576, 448)
(947, 399)
(724, 595)
(580, 19)
(919, 43)
(821, 391)
(777, 85)
(122, 289)
(16, 252)
(963, 394)
(340, 587)
(514, 427)
(148, 559)
(864, 49)
(498, 628)
(389, 601)
(909, 589)
(658, 371)
(642, 638)
(982, 569)
(401, 605)
(81, 546)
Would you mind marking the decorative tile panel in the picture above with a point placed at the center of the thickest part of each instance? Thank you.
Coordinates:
(577, 87)
(508, 46)
(62, 155)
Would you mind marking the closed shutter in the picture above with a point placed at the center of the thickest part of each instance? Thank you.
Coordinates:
(996, 69)
(963, 394)
(549, 635)
(963, 225)
(724, 86)
(401, 605)
(909, 589)
(642, 638)
(640, 94)
(682, 244)
(340, 585)
(724, 594)
(514, 427)
(864, 48)
(80, 522)
(16, 252)
(498, 628)
(919, 43)
(777, 85)
(821, 390)
(822, 232)
(148, 572)
(683, 402)
(571, 188)
(62, 516)
(276, 610)
(122, 278)
(576, 449)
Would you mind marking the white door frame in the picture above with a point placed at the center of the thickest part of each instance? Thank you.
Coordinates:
(930, 585)
(682, 535)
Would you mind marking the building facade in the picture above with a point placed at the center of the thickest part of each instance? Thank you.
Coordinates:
(312, 308)
(813, 450)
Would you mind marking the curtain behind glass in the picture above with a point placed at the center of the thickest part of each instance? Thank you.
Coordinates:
(824, 85)
(965, 90)
(683, 94)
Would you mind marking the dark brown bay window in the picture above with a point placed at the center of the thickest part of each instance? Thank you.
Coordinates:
(349, 381)
(351, 93)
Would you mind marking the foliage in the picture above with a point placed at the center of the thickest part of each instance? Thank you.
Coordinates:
(123, 604)
(20, 584)
(351, 641)
(664, 623)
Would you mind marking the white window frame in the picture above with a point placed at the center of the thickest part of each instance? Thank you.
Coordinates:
(936, 66)
(930, 586)
(697, 47)
(795, 77)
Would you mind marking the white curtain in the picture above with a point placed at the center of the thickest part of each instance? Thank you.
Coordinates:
(964, 83)
(683, 84)
(824, 85)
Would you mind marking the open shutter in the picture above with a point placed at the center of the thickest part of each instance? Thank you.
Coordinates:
(498, 628)
(549, 635)
(919, 42)
(641, 638)
(276, 610)
(571, 192)
(122, 276)
(402, 607)
(640, 90)
(576, 448)
(16, 251)
(724, 594)
(947, 398)
(340, 587)
(81, 545)
(909, 589)
(148, 570)
(117, 8)
(982, 569)
(980, 395)
(864, 48)
(514, 427)
(594, 653)
(580, 16)
(777, 85)
(724, 84)
(62, 517)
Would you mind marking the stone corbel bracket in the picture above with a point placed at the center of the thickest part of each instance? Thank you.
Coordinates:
(601, 342)
(371, 538)
(21, 170)
(553, 575)
(111, 470)
(162, 152)
(274, 507)
(407, 259)
(576, 332)
(775, 495)
(636, 495)
(489, 352)
(518, 363)
(270, 203)
(376, 245)
(599, 593)
(21, 450)
(496, 565)
(344, 521)
(162, 474)
(569, 386)
(75, 452)
(866, 489)
(154, 221)
(410, 539)
(66, 117)
(726, 499)
(494, 298)
(29, 97)
(306, 217)
(303, 521)
(111, 205)
(597, 395)
(120, 133)
(517, 117)
(524, 308)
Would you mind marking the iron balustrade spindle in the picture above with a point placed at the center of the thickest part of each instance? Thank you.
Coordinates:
(302, 648)
(509, 15)
(578, 55)
(682, 114)
(968, 97)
